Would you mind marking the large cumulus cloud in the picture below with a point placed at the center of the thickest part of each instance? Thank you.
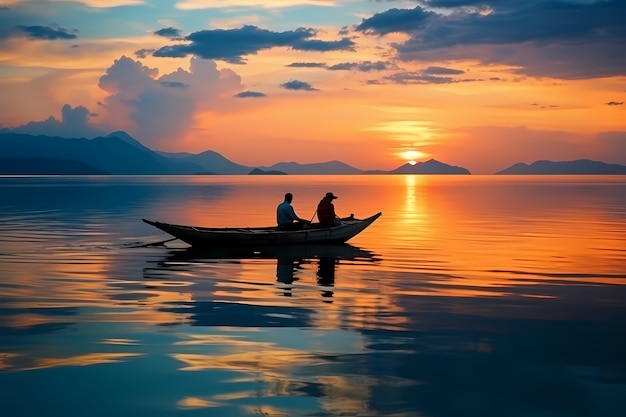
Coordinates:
(159, 109)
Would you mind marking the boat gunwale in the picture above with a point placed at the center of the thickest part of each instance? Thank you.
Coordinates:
(350, 221)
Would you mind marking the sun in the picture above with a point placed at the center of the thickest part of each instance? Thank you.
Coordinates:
(411, 156)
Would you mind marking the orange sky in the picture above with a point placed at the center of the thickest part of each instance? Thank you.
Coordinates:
(356, 85)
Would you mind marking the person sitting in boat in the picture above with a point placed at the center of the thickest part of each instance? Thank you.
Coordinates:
(326, 211)
(286, 215)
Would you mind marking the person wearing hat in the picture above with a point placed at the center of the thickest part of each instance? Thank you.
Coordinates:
(326, 211)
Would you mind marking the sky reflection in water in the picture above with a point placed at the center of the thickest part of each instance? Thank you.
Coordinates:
(480, 296)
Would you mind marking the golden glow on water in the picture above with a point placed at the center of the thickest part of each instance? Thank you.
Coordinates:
(5, 360)
(452, 264)
(272, 359)
(195, 402)
(83, 360)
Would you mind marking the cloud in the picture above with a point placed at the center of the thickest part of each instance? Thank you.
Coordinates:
(307, 65)
(157, 110)
(418, 77)
(74, 123)
(247, 94)
(365, 66)
(614, 103)
(442, 71)
(298, 85)
(542, 38)
(43, 32)
(429, 75)
(174, 84)
(169, 32)
(144, 52)
(232, 45)
(397, 21)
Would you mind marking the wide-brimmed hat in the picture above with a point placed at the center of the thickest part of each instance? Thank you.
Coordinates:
(331, 196)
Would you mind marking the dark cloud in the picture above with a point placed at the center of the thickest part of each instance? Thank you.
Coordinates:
(543, 38)
(307, 65)
(174, 84)
(142, 53)
(442, 71)
(74, 123)
(44, 32)
(298, 85)
(232, 45)
(247, 94)
(614, 103)
(168, 33)
(429, 75)
(344, 66)
(418, 77)
(344, 44)
(368, 66)
(365, 66)
(397, 21)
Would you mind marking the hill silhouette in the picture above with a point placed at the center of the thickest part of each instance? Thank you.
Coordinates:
(108, 154)
(120, 154)
(580, 167)
(431, 166)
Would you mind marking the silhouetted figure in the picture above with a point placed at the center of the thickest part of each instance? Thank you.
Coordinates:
(286, 215)
(326, 211)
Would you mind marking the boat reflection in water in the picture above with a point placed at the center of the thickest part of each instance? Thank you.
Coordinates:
(223, 282)
(288, 266)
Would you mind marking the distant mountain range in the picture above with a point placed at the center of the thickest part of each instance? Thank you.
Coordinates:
(581, 167)
(120, 154)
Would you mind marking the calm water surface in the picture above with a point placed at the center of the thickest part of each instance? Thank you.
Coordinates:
(470, 296)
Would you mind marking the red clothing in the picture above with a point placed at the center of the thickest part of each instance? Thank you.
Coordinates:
(326, 212)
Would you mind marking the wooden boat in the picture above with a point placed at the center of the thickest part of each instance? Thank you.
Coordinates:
(264, 236)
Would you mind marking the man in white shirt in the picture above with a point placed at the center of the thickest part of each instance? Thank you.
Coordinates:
(286, 215)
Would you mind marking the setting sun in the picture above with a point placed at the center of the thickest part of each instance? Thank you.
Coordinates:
(411, 156)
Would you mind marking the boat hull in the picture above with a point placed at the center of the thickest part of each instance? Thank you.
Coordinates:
(264, 236)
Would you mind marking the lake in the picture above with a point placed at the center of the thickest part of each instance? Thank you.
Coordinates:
(470, 296)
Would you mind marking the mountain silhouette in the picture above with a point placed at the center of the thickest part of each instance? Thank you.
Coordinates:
(258, 171)
(120, 154)
(331, 167)
(109, 154)
(207, 162)
(581, 167)
(432, 166)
